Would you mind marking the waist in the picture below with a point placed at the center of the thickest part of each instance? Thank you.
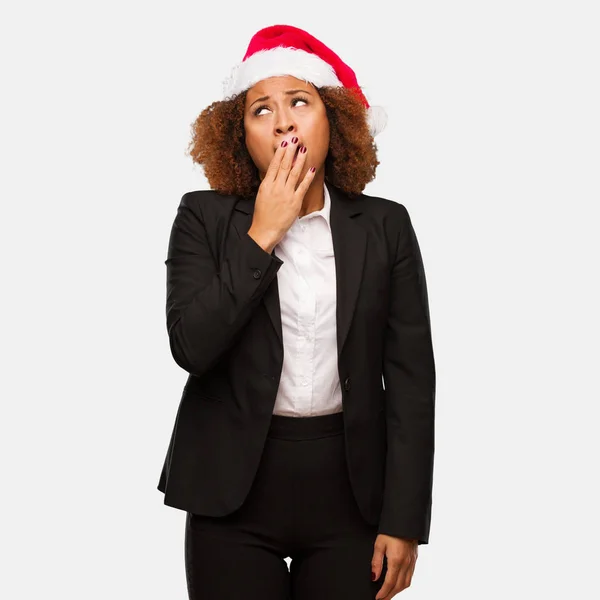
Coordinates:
(306, 428)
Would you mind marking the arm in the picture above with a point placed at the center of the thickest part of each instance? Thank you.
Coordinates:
(409, 374)
(206, 308)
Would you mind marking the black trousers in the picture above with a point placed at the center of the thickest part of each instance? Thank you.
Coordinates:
(301, 507)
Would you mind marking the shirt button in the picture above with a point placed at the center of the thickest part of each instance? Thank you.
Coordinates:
(257, 274)
(347, 384)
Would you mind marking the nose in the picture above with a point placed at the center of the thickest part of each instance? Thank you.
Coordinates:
(284, 130)
(284, 122)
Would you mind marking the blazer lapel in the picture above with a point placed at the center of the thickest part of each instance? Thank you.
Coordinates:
(349, 245)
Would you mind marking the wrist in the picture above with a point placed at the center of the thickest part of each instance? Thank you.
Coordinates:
(267, 241)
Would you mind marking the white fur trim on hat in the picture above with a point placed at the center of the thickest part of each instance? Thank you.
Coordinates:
(279, 61)
(377, 119)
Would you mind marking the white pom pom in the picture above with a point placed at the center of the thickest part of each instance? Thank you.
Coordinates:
(230, 80)
(377, 119)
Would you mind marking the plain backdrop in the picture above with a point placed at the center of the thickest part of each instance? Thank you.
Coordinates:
(492, 145)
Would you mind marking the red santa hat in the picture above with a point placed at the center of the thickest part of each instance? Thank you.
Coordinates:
(286, 50)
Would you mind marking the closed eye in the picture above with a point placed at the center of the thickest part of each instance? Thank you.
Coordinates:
(294, 101)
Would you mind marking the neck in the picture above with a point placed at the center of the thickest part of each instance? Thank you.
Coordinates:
(314, 199)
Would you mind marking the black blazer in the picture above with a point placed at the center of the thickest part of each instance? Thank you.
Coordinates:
(224, 328)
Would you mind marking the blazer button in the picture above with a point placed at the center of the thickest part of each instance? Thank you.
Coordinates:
(257, 274)
(347, 384)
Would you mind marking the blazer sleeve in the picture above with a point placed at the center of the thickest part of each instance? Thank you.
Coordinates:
(409, 376)
(206, 307)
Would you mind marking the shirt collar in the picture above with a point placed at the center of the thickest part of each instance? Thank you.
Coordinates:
(325, 212)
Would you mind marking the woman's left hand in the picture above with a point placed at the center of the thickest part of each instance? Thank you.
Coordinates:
(401, 555)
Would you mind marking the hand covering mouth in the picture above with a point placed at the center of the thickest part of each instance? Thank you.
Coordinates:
(289, 141)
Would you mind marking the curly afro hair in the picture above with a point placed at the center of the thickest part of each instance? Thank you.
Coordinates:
(218, 144)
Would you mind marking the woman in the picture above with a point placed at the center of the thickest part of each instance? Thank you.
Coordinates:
(291, 295)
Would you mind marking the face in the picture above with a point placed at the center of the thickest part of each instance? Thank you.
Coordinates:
(293, 108)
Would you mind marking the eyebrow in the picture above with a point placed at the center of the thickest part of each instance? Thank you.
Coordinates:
(288, 93)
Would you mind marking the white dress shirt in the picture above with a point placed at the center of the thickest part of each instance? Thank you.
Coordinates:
(309, 384)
